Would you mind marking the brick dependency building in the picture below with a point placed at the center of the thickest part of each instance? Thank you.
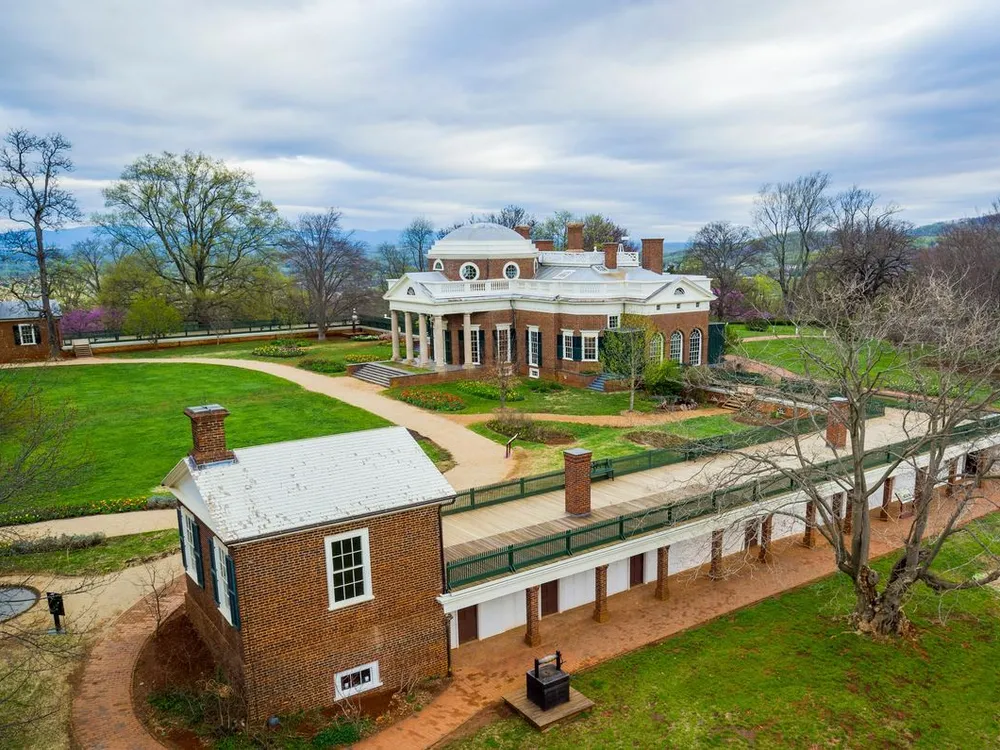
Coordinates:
(24, 336)
(492, 295)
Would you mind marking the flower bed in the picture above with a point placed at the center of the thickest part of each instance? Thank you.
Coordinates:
(433, 400)
(319, 364)
(280, 352)
(366, 337)
(487, 390)
(101, 507)
(357, 359)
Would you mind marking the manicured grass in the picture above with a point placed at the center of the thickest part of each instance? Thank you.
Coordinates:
(333, 348)
(789, 672)
(576, 401)
(115, 553)
(774, 330)
(129, 428)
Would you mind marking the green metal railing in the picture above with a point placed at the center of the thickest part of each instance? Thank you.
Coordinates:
(511, 558)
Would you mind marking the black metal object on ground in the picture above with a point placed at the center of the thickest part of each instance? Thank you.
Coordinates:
(547, 685)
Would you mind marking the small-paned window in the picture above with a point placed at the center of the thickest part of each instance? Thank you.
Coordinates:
(469, 271)
(348, 568)
(590, 348)
(357, 680)
(511, 270)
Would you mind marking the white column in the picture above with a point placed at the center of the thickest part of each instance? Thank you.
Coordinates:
(394, 323)
(439, 342)
(467, 336)
(408, 332)
(422, 325)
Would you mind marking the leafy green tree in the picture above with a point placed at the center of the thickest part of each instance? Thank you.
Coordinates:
(152, 318)
(625, 352)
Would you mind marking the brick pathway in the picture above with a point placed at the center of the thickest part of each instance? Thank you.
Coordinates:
(102, 715)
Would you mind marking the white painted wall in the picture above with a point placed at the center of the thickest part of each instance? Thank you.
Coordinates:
(498, 615)
(650, 567)
(576, 590)
(689, 554)
(617, 577)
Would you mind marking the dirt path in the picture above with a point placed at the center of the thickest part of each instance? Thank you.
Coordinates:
(636, 419)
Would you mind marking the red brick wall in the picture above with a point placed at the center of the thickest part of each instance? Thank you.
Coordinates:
(489, 268)
(294, 644)
(11, 352)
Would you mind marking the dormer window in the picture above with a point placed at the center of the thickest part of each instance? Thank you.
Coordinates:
(511, 271)
(438, 265)
(469, 271)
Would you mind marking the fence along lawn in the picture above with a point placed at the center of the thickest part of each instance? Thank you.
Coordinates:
(129, 427)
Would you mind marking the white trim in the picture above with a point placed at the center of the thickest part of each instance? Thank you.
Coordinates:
(30, 328)
(477, 354)
(366, 564)
(375, 681)
(517, 271)
(692, 360)
(505, 329)
(188, 542)
(567, 347)
(618, 321)
(534, 336)
(438, 265)
(461, 272)
(679, 357)
(584, 335)
(222, 579)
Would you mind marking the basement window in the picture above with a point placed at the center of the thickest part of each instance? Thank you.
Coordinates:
(348, 569)
(357, 680)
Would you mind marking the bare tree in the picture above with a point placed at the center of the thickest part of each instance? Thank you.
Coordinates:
(598, 229)
(509, 216)
(30, 171)
(199, 225)
(553, 228)
(968, 252)
(416, 240)
(725, 252)
(392, 261)
(943, 347)
(329, 265)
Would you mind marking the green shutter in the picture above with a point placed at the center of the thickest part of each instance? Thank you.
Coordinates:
(38, 335)
(447, 347)
(215, 577)
(180, 530)
(461, 348)
(577, 348)
(539, 348)
(527, 347)
(482, 347)
(234, 600)
(198, 562)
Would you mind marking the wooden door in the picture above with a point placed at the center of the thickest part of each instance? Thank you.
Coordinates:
(550, 598)
(636, 570)
(468, 624)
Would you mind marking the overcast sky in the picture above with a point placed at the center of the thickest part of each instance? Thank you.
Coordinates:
(663, 115)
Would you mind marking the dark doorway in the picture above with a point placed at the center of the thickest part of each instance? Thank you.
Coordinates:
(550, 598)
(636, 570)
(468, 624)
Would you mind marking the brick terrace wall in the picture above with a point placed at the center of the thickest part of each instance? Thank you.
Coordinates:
(294, 644)
(11, 352)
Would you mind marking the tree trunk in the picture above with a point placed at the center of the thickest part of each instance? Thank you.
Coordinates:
(631, 397)
(43, 282)
(879, 614)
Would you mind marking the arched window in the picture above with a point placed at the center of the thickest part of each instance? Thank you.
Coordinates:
(656, 348)
(511, 270)
(469, 271)
(678, 291)
(439, 265)
(677, 346)
(694, 348)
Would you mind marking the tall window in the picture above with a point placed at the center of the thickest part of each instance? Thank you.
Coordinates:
(223, 583)
(590, 346)
(477, 358)
(677, 346)
(534, 344)
(656, 348)
(694, 347)
(26, 334)
(348, 568)
(191, 546)
(567, 344)
(503, 353)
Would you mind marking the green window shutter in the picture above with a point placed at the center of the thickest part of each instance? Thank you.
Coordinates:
(38, 334)
(17, 335)
(215, 577)
(461, 348)
(482, 346)
(539, 348)
(199, 565)
(234, 599)
(527, 347)
(447, 347)
(180, 530)
(577, 348)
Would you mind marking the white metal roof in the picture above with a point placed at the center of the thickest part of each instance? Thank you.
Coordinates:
(269, 489)
(482, 240)
(18, 310)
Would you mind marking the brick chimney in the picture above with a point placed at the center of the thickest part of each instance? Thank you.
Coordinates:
(652, 255)
(524, 230)
(209, 434)
(574, 237)
(836, 422)
(611, 255)
(576, 462)
(545, 246)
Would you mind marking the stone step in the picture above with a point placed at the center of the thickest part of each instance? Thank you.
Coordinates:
(379, 374)
(82, 350)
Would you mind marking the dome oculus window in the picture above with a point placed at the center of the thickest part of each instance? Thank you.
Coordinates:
(439, 265)
(469, 271)
(511, 271)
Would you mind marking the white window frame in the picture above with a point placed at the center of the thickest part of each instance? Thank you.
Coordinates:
(190, 559)
(438, 265)
(477, 355)
(692, 338)
(517, 271)
(534, 340)
(30, 328)
(616, 319)
(678, 337)
(503, 334)
(366, 564)
(222, 579)
(592, 336)
(375, 682)
(567, 347)
(461, 272)
(656, 346)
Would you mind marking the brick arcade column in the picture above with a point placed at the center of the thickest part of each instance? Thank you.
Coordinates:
(836, 422)
(576, 465)
(766, 529)
(408, 332)
(906, 509)
(532, 631)
(887, 489)
(394, 323)
(838, 512)
(601, 593)
(952, 476)
(662, 571)
(808, 539)
(715, 569)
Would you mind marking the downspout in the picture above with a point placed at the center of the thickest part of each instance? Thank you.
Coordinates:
(444, 585)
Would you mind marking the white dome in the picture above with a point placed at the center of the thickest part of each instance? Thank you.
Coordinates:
(482, 240)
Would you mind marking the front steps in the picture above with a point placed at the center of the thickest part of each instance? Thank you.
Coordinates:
(378, 373)
(598, 383)
(82, 349)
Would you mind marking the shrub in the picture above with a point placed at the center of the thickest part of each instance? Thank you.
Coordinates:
(341, 732)
(487, 390)
(366, 337)
(279, 352)
(158, 502)
(757, 324)
(433, 400)
(513, 424)
(298, 343)
(61, 543)
(543, 386)
(356, 359)
(319, 364)
(731, 341)
(663, 379)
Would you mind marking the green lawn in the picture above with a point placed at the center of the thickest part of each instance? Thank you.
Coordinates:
(788, 672)
(130, 429)
(773, 330)
(115, 553)
(575, 401)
